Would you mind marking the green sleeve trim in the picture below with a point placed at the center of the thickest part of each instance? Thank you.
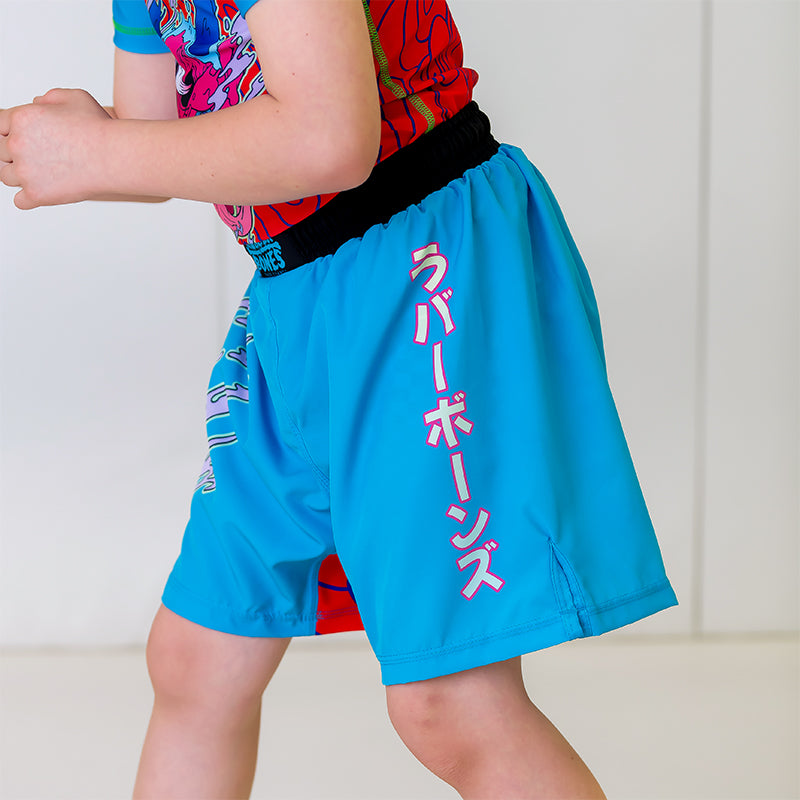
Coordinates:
(386, 79)
(134, 31)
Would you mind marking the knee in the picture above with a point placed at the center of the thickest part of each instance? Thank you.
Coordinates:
(479, 731)
(431, 721)
(416, 708)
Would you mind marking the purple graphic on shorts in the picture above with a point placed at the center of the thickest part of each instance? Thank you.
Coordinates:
(206, 482)
(242, 313)
(221, 440)
(239, 355)
(219, 396)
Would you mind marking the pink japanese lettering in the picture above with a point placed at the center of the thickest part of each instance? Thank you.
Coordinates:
(423, 324)
(463, 541)
(439, 378)
(457, 513)
(447, 420)
(460, 476)
(426, 257)
(439, 302)
(482, 556)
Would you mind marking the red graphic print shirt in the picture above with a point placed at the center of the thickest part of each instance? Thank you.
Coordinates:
(418, 64)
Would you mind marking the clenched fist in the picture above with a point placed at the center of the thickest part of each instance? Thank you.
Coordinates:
(48, 149)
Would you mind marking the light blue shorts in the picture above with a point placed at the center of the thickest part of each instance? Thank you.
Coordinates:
(428, 409)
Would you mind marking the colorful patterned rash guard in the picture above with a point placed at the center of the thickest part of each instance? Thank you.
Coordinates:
(418, 64)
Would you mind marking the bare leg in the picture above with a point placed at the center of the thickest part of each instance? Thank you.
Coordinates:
(202, 740)
(478, 731)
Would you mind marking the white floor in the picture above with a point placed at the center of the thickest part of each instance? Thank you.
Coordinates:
(653, 719)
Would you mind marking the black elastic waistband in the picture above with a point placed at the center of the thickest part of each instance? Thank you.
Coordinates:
(405, 178)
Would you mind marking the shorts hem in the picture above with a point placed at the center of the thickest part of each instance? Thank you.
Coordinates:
(527, 638)
(191, 606)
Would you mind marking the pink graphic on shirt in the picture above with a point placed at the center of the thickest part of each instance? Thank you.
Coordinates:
(238, 218)
(216, 61)
(482, 556)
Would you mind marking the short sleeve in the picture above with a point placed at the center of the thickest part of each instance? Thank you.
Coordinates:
(133, 29)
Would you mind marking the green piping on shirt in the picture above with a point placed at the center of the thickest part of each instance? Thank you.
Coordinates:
(134, 31)
(385, 78)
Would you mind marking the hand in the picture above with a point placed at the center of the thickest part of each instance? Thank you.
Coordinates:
(47, 151)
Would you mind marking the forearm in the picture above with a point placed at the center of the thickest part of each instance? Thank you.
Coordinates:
(255, 153)
(317, 131)
(123, 198)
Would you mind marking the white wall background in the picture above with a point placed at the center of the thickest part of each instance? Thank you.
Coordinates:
(669, 131)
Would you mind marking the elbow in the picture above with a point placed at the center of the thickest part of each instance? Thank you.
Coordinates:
(350, 155)
(356, 169)
(360, 160)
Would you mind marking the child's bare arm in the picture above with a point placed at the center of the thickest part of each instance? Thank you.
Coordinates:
(144, 86)
(317, 131)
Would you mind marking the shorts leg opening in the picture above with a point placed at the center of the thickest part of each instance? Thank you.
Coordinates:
(569, 595)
